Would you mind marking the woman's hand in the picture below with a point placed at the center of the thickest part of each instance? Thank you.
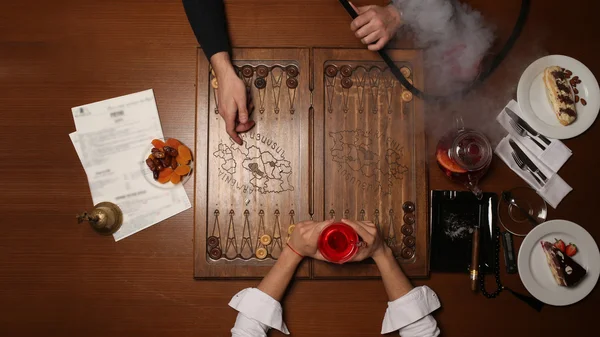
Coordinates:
(375, 25)
(372, 245)
(304, 238)
(234, 103)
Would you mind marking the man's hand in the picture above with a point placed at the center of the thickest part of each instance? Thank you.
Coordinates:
(305, 237)
(234, 104)
(372, 244)
(375, 25)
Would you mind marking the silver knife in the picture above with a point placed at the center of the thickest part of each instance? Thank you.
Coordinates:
(526, 126)
(526, 159)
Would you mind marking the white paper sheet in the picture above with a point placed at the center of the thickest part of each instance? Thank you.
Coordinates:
(112, 140)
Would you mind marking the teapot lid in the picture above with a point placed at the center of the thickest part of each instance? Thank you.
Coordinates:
(471, 150)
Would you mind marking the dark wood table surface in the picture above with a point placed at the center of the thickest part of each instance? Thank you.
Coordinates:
(58, 278)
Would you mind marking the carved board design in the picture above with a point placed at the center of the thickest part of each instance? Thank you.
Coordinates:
(336, 136)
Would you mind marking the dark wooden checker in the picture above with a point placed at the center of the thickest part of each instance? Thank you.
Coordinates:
(335, 137)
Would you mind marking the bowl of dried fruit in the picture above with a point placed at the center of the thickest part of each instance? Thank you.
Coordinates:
(167, 163)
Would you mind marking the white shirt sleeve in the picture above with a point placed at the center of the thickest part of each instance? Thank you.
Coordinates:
(257, 313)
(410, 314)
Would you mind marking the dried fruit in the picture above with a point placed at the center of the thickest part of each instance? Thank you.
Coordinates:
(166, 172)
(576, 98)
(150, 164)
(175, 178)
(583, 101)
(172, 142)
(185, 152)
(165, 175)
(158, 153)
(166, 161)
(170, 151)
(181, 161)
(159, 144)
(183, 170)
(575, 91)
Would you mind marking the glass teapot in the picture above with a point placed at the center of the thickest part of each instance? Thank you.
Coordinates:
(464, 155)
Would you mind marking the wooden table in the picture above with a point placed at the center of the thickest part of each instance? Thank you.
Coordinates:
(61, 279)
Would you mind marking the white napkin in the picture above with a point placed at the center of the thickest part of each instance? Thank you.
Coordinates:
(555, 154)
(555, 188)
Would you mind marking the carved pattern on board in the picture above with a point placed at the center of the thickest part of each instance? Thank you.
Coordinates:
(276, 242)
(231, 238)
(354, 152)
(269, 171)
(264, 78)
(366, 98)
(378, 84)
(268, 245)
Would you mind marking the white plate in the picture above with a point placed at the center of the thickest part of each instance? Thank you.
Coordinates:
(537, 111)
(149, 176)
(535, 272)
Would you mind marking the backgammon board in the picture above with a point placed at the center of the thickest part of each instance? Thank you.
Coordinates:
(336, 136)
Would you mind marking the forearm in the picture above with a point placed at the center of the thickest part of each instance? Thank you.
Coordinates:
(208, 21)
(394, 280)
(278, 278)
(221, 63)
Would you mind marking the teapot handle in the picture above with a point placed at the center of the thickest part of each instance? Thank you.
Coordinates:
(460, 125)
(472, 185)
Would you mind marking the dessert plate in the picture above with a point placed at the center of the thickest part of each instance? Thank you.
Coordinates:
(536, 274)
(537, 111)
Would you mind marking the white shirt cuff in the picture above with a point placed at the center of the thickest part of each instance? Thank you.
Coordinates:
(260, 307)
(410, 308)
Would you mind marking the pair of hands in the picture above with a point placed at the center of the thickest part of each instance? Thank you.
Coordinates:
(375, 26)
(305, 236)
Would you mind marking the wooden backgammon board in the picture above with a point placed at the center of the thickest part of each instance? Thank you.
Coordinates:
(336, 136)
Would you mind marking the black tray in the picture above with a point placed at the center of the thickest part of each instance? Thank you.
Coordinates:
(453, 213)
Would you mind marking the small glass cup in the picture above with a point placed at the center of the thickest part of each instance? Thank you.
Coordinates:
(513, 220)
(338, 242)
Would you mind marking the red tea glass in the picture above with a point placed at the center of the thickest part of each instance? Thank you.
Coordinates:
(465, 156)
(338, 242)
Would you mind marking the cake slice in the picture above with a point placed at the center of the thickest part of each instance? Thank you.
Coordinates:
(565, 270)
(560, 94)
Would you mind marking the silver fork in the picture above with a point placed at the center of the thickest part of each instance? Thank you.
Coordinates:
(523, 133)
(524, 167)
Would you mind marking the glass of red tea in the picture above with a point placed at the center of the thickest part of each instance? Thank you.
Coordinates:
(338, 242)
(464, 155)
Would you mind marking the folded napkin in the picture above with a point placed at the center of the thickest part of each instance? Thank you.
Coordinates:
(555, 154)
(553, 190)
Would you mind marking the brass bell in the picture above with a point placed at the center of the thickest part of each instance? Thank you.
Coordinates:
(105, 219)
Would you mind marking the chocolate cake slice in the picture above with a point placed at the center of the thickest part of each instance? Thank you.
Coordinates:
(565, 270)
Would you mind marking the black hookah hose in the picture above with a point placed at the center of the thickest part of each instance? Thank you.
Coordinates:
(516, 32)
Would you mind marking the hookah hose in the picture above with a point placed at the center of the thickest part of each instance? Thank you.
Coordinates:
(516, 32)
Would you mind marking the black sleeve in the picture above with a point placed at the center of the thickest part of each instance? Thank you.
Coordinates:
(207, 18)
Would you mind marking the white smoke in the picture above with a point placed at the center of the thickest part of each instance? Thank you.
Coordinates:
(454, 37)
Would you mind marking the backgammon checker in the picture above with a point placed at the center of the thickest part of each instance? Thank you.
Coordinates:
(336, 136)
